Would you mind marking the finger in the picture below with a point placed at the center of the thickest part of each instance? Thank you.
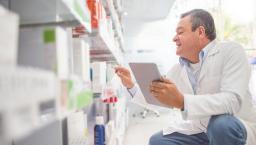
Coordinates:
(121, 75)
(158, 84)
(155, 94)
(119, 72)
(120, 68)
(155, 89)
(166, 80)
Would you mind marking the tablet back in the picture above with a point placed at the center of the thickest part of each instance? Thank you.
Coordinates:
(144, 74)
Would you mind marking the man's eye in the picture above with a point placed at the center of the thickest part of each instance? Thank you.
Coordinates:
(180, 32)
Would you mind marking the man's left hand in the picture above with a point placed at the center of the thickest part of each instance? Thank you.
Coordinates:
(167, 93)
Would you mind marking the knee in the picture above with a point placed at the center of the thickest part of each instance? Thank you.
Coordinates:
(154, 139)
(224, 126)
(219, 125)
(159, 139)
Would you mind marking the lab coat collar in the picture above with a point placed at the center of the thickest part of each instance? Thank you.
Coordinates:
(207, 51)
(183, 61)
(202, 55)
(211, 50)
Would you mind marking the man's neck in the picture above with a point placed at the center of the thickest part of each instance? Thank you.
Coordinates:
(195, 58)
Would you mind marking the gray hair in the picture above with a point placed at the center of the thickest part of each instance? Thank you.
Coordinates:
(200, 17)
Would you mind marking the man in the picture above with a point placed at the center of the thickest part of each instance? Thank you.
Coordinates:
(209, 86)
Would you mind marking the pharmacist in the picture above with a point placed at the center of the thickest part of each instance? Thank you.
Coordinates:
(209, 86)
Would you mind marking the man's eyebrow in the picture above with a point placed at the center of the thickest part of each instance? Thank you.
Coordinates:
(179, 28)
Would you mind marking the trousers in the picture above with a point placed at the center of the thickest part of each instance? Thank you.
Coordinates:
(221, 130)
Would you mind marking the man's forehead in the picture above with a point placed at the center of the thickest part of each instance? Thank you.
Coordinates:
(184, 22)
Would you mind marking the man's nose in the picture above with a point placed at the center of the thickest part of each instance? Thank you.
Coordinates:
(174, 38)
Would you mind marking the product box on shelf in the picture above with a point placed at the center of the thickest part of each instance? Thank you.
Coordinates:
(98, 13)
(50, 134)
(8, 37)
(81, 59)
(79, 93)
(77, 128)
(99, 75)
(23, 93)
(46, 48)
(95, 9)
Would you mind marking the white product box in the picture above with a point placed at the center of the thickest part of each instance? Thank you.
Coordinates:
(46, 48)
(99, 76)
(21, 93)
(81, 59)
(23, 86)
(77, 128)
(8, 37)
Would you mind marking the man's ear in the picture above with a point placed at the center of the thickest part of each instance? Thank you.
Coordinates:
(201, 31)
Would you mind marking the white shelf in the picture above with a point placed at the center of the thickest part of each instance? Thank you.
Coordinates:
(80, 10)
(40, 11)
(118, 5)
(115, 9)
(107, 39)
(102, 41)
(52, 11)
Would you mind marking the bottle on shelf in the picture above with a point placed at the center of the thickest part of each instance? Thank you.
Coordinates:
(99, 131)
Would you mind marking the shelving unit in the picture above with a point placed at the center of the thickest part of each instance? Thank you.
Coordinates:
(100, 40)
(106, 39)
(49, 82)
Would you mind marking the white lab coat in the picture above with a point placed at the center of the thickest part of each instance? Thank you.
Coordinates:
(225, 71)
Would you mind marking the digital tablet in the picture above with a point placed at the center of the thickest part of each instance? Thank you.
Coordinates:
(144, 74)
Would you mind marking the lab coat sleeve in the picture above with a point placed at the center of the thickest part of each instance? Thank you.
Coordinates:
(134, 94)
(132, 91)
(221, 103)
(233, 89)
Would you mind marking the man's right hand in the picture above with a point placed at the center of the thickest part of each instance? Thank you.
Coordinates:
(125, 76)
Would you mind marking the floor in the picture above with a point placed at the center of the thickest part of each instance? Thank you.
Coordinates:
(140, 129)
